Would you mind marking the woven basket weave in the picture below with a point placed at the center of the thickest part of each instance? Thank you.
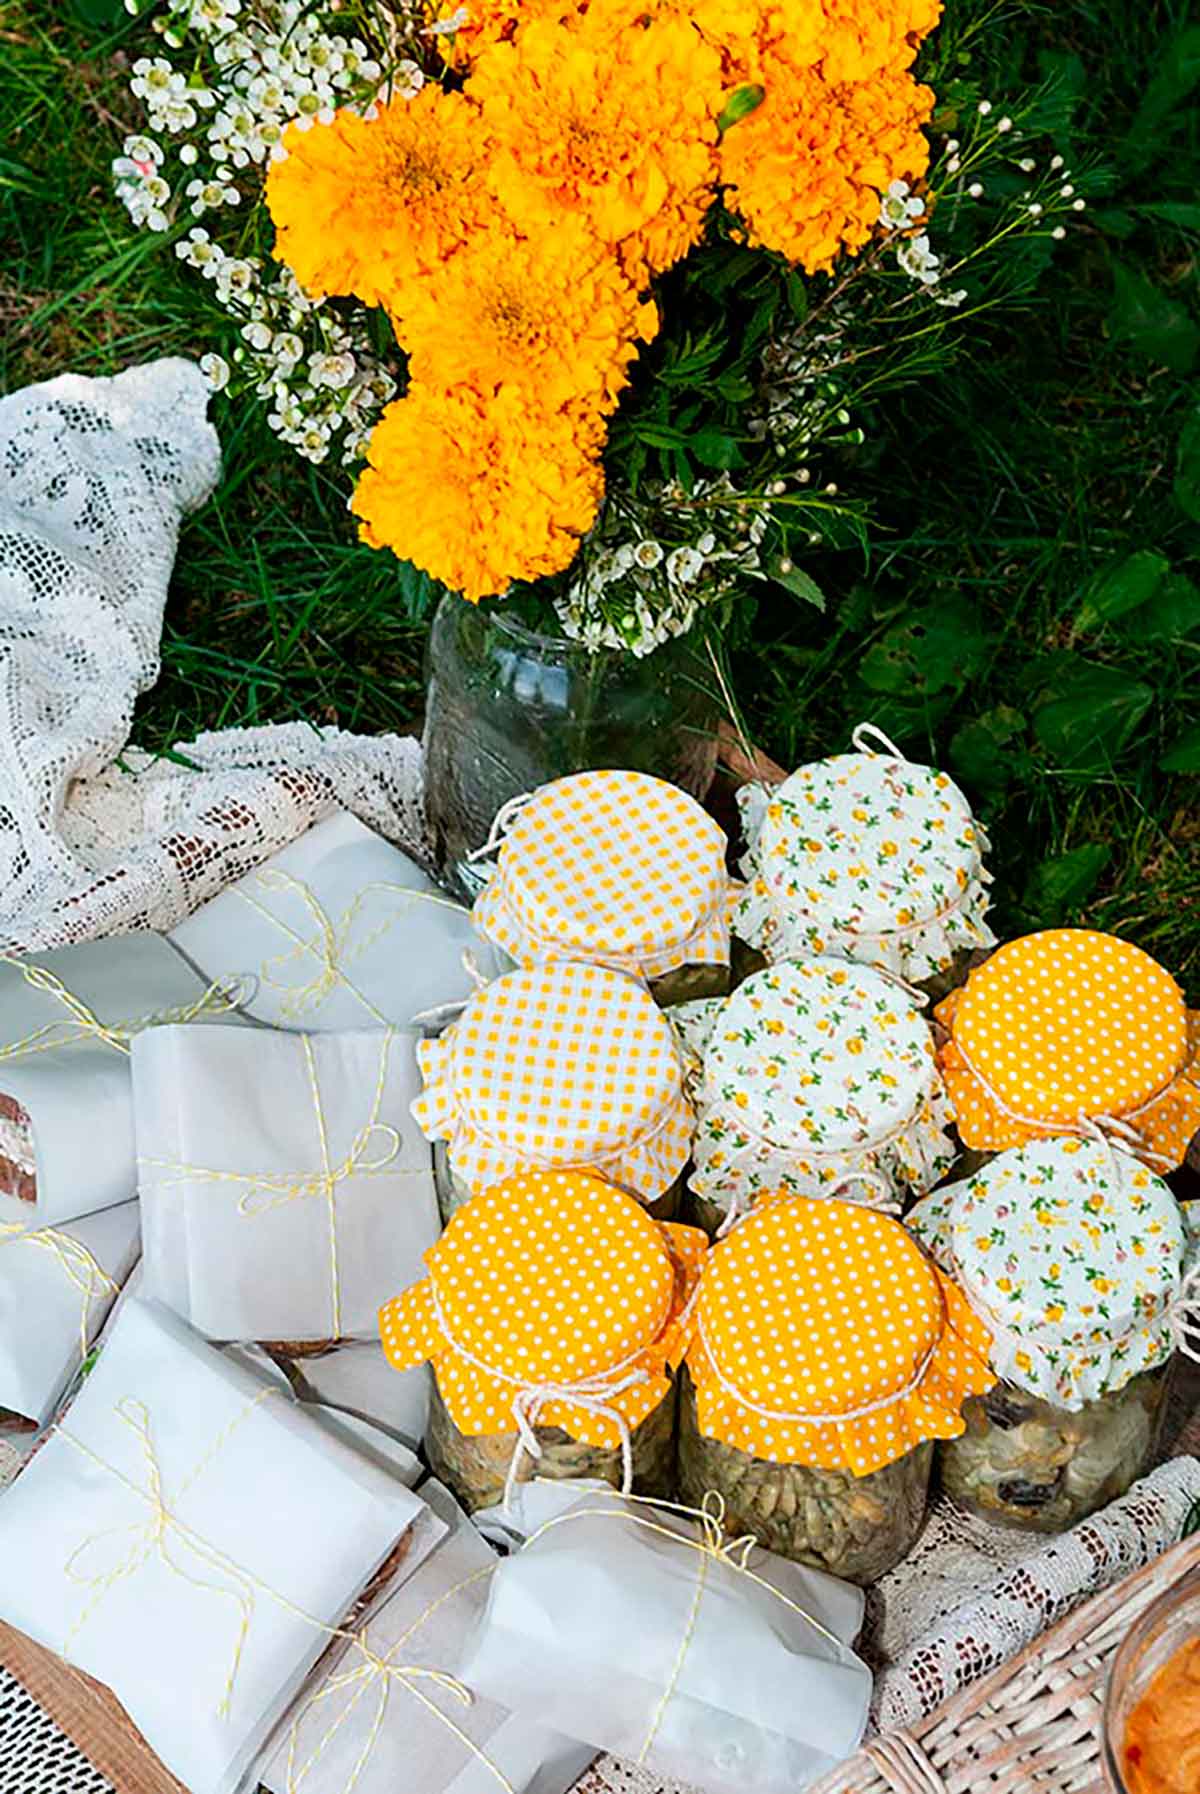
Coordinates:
(1033, 1727)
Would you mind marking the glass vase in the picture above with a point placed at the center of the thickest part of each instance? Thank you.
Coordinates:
(508, 710)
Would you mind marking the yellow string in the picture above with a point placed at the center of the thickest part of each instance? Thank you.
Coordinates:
(219, 998)
(77, 1264)
(713, 1547)
(265, 1191)
(152, 1538)
(330, 943)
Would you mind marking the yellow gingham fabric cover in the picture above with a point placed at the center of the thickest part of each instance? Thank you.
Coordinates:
(818, 1308)
(1065, 1025)
(559, 1066)
(614, 867)
(548, 1278)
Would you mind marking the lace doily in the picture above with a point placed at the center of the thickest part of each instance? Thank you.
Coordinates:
(99, 474)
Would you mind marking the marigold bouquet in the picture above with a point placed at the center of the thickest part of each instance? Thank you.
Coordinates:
(641, 262)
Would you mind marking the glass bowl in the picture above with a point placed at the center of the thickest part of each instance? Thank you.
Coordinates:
(1168, 1623)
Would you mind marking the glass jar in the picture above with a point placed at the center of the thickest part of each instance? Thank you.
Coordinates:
(475, 1468)
(689, 984)
(507, 710)
(452, 1192)
(1026, 1463)
(856, 1527)
(1159, 1657)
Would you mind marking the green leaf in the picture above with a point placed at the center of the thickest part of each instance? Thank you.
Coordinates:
(1172, 613)
(800, 584)
(1172, 82)
(1184, 756)
(1062, 881)
(1187, 468)
(981, 752)
(714, 449)
(1121, 586)
(740, 104)
(1191, 1521)
(1172, 211)
(100, 13)
(930, 650)
(1152, 323)
(1089, 719)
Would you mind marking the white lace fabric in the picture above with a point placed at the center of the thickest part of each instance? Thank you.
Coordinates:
(98, 475)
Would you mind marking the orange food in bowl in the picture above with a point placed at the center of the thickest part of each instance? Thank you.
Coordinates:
(1162, 1736)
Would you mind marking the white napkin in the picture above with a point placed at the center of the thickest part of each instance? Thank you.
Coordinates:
(600, 1627)
(339, 930)
(239, 1133)
(73, 1085)
(412, 1750)
(358, 1378)
(56, 1287)
(186, 1536)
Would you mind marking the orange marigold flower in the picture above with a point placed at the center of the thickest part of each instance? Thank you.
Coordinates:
(478, 491)
(805, 171)
(362, 205)
(618, 126)
(846, 40)
(555, 314)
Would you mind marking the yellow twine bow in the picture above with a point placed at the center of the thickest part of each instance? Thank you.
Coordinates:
(220, 997)
(381, 1672)
(77, 1264)
(330, 944)
(713, 1548)
(159, 1535)
(265, 1191)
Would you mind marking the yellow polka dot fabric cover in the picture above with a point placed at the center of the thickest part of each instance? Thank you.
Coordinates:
(815, 1070)
(867, 856)
(550, 1278)
(1071, 1254)
(559, 1065)
(614, 867)
(823, 1335)
(1059, 1028)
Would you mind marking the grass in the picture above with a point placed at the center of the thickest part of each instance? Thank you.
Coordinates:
(997, 623)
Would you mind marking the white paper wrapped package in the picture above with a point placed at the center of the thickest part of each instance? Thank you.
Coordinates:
(411, 1732)
(286, 1191)
(186, 1536)
(629, 1626)
(358, 1379)
(56, 1287)
(339, 930)
(66, 1112)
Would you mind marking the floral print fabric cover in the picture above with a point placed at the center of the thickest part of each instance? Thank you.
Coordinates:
(867, 856)
(550, 1282)
(1071, 1254)
(559, 1065)
(615, 867)
(824, 1336)
(1058, 1028)
(814, 1070)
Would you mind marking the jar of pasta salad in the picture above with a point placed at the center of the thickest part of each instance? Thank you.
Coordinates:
(552, 1319)
(1072, 1031)
(816, 1077)
(1075, 1257)
(867, 856)
(618, 869)
(559, 1066)
(827, 1352)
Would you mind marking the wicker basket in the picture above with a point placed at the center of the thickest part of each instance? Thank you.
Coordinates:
(1033, 1726)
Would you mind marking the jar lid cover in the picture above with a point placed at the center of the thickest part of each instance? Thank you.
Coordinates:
(614, 866)
(1067, 1025)
(559, 1065)
(1072, 1255)
(549, 1282)
(825, 1336)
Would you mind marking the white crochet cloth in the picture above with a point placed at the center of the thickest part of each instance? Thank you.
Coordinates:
(97, 476)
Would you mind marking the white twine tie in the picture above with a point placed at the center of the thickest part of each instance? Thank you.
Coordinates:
(500, 826)
(859, 739)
